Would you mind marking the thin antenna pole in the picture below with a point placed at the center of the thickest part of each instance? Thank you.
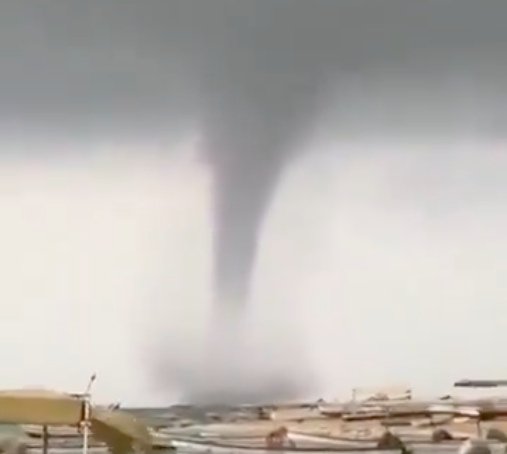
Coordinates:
(91, 380)
(85, 424)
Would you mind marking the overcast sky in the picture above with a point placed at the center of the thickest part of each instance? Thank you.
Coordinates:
(382, 252)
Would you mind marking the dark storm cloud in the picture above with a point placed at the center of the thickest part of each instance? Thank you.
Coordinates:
(257, 74)
(101, 63)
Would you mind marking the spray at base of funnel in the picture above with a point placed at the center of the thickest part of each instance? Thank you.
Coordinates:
(244, 364)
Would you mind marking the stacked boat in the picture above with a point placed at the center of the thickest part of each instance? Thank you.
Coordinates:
(382, 421)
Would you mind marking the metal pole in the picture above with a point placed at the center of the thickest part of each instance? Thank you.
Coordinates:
(85, 423)
(45, 439)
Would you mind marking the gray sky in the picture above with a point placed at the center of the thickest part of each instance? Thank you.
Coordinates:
(103, 63)
(390, 214)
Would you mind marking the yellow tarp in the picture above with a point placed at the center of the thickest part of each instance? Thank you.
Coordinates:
(121, 431)
(41, 407)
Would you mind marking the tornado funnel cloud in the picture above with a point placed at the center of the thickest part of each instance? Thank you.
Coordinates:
(248, 150)
(238, 221)
(262, 79)
(256, 120)
(245, 179)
